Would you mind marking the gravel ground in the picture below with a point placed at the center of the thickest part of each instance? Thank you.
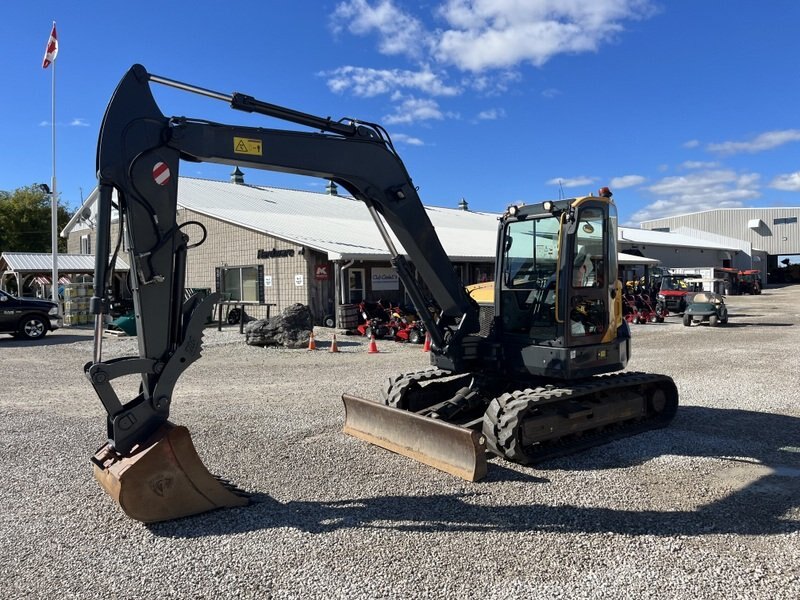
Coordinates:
(707, 508)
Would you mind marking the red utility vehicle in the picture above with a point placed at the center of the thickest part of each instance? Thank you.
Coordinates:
(674, 291)
(750, 281)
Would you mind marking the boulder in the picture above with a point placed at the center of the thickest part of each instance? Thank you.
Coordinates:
(290, 329)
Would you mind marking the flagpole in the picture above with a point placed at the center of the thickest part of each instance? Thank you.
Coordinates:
(54, 197)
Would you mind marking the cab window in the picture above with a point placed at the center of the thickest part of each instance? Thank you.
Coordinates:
(588, 252)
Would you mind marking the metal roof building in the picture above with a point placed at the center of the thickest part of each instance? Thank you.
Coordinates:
(773, 231)
(311, 247)
(338, 226)
(29, 268)
(34, 262)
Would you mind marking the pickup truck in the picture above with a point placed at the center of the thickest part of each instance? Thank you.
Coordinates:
(29, 318)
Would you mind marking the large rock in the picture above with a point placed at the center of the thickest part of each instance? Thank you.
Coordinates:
(291, 329)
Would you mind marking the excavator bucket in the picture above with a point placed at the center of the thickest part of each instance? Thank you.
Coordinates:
(447, 447)
(163, 479)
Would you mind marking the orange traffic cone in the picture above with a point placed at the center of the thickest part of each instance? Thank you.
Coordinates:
(373, 347)
(334, 347)
(311, 344)
(427, 346)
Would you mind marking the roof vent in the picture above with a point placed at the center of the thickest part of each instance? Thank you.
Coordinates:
(462, 205)
(237, 176)
(331, 189)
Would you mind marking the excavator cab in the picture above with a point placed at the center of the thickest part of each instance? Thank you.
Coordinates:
(557, 295)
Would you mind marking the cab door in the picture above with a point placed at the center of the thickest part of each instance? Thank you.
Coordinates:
(587, 314)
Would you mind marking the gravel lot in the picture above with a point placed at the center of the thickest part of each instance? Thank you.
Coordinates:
(708, 508)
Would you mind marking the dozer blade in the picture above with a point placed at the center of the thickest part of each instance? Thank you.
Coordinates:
(450, 448)
(163, 479)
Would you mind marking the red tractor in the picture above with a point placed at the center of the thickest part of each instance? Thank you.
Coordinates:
(750, 281)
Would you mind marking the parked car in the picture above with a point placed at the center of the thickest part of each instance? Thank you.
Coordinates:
(29, 318)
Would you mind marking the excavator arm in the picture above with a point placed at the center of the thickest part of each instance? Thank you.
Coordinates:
(139, 155)
(138, 159)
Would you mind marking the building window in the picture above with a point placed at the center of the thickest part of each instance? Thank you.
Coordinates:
(356, 285)
(86, 245)
(664, 229)
(784, 220)
(244, 284)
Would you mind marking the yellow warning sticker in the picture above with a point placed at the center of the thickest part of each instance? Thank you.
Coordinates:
(247, 146)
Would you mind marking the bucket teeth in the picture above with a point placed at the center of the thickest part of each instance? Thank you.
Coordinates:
(232, 487)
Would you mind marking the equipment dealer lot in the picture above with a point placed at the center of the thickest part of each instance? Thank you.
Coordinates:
(706, 508)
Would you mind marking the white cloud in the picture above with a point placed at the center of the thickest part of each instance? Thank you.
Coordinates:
(487, 40)
(75, 122)
(407, 139)
(626, 181)
(413, 110)
(482, 35)
(367, 82)
(764, 141)
(491, 114)
(490, 34)
(698, 164)
(691, 144)
(400, 33)
(494, 83)
(569, 182)
(702, 190)
(788, 183)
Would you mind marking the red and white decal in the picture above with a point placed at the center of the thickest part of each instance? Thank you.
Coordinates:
(161, 173)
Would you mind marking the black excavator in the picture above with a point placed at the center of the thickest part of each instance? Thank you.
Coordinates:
(525, 368)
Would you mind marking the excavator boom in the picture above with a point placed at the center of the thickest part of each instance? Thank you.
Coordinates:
(149, 465)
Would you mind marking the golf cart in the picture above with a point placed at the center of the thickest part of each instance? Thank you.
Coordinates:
(706, 306)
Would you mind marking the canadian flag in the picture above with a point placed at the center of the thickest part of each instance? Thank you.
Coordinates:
(52, 48)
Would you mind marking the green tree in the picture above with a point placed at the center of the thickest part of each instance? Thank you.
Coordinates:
(25, 221)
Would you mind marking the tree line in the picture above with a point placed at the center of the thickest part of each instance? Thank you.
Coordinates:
(25, 224)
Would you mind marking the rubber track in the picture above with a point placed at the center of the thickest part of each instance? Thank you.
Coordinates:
(507, 412)
(395, 388)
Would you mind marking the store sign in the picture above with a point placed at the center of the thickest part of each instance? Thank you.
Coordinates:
(385, 279)
(275, 253)
(299, 280)
(267, 280)
(321, 273)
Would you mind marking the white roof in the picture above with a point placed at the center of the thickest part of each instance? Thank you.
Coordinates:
(632, 259)
(754, 209)
(337, 225)
(664, 238)
(342, 228)
(42, 262)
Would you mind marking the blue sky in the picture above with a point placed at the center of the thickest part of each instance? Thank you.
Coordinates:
(678, 106)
